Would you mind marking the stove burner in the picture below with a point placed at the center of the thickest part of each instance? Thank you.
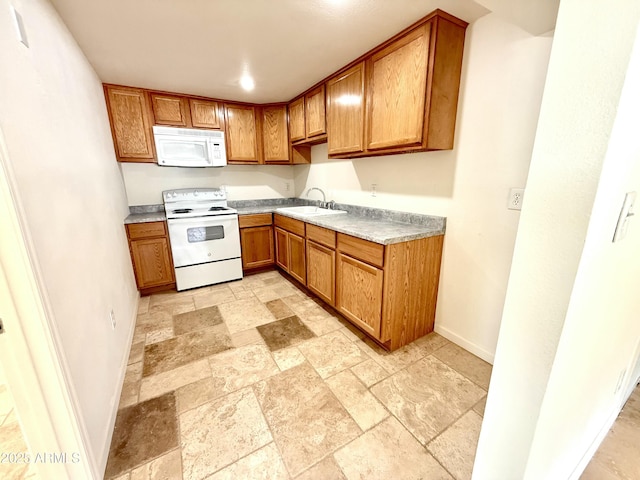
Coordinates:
(217, 209)
(182, 210)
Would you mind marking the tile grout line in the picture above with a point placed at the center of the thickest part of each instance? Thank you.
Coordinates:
(273, 438)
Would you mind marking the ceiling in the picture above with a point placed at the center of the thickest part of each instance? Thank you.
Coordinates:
(202, 47)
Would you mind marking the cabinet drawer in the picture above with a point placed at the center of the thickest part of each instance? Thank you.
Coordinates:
(254, 220)
(321, 235)
(146, 230)
(289, 224)
(369, 252)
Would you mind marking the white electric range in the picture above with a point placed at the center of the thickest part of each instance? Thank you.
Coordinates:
(204, 237)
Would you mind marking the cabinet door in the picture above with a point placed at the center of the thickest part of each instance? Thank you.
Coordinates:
(169, 110)
(345, 115)
(397, 91)
(282, 249)
(205, 114)
(296, 120)
(257, 247)
(152, 262)
(359, 293)
(297, 258)
(321, 271)
(315, 112)
(275, 135)
(241, 133)
(130, 123)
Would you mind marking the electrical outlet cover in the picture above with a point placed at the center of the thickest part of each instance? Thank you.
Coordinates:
(516, 197)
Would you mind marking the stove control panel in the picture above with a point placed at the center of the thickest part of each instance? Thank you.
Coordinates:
(186, 194)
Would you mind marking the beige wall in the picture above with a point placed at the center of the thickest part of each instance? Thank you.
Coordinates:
(570, 327)
(53, 116)
(503, 75)
(145, 182)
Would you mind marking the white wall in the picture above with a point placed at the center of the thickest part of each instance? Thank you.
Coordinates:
(53, 115)
(145, 182)
(503, 75)
(570, 323)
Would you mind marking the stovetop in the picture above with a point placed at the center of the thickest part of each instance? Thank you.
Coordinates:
(196, 202)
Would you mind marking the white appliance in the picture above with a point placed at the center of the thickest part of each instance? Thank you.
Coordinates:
(204, 237)
(188, 147)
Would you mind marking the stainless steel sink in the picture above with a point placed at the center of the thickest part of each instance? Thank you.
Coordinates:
(309, 211)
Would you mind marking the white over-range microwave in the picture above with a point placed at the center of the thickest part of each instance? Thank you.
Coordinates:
(188, 147)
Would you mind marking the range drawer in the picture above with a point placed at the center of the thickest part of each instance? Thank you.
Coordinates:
(370, 252)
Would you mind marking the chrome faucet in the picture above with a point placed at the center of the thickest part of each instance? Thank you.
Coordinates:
(323, 204)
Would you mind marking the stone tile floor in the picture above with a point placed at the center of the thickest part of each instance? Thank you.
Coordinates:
(255, 380)
(11, 438)
(619, 453)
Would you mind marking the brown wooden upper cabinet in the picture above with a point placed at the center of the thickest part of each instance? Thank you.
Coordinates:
(314, 112)
(345, 111)
(129, 113)
(242, 141)
(296, 120)
(275, 138)
(206, 114)
(169, 110)
(307, 117)
(398, 85)
(402, 96)
(411, 85)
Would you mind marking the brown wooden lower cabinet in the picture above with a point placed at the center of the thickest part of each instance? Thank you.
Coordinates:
(290, 254)
(151, 256)
(321, 271)
(388, 291)
(282, 248)
(256, 240)
(297, 258)
(359, 296)
(257, 247)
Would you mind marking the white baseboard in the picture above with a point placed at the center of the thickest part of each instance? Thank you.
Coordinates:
(102, 461)
(469, 346)
(593, 448)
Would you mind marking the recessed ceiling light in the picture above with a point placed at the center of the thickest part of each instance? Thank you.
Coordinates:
(246, 82)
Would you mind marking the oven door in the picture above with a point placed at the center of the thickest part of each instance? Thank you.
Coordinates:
(199, 240)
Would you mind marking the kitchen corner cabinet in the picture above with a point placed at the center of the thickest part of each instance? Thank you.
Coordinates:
(290, 247)
(256, 240)
(275, 135)
(241, 129)
(130, 119)
(151, 256)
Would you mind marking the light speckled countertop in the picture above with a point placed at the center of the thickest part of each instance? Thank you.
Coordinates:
(146, 213)
(376, 225)
(368, 224)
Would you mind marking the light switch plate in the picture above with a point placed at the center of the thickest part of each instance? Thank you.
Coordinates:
(625, 216)
(21, 32)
